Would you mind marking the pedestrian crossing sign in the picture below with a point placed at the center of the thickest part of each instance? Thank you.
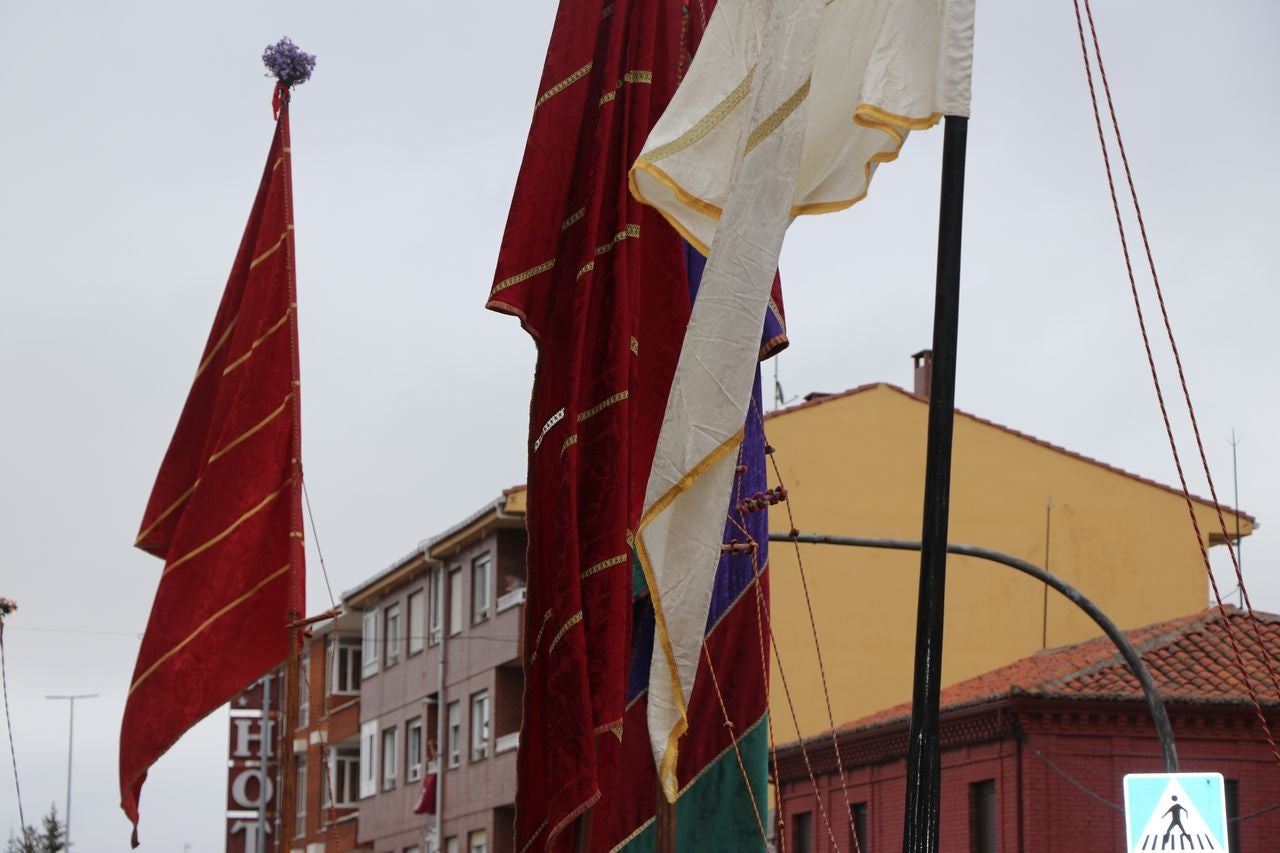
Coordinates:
(1175, 811)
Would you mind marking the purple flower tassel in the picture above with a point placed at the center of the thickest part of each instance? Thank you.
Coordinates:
(290, 66)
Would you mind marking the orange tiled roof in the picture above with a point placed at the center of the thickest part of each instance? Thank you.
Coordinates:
(1190, 659)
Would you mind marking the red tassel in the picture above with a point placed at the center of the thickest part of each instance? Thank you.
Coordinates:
(281, 96)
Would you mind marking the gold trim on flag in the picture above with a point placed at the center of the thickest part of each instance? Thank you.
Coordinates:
(203, 625)
(167, 512)
(524, 276)
(222, 341)
(604, 564)
(562, 85)
(268, 333)
(602, 405)
(269, 252)
(564, 629)
(225, 533)
(253, 429)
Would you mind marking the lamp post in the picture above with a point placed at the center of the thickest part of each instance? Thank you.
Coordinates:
(71, 731)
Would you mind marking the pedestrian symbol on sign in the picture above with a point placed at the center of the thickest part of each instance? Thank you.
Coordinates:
(1175, 811)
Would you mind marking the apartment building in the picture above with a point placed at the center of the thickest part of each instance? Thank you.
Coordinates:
(326, 741)
(448, 613)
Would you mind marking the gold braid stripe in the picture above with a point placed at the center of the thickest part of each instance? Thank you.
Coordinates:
(230, 529)
(563, 84)
(572, 218)
(537, 641)
(167, 512)
(524, 276)
(203, 625)
(253, 429)
(222, 341)
(268, 333)
(568, 442)
(638, 77)
(632, 231)
(588, 267)
(604, 564)
(607, 97)
(602, 405)
(775, 120)
(564, 629)
(706, 124)
(269, 252)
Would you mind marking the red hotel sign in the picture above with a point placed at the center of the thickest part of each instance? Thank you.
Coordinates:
(253, 775)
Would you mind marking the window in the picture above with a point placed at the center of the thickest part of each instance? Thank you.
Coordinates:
(300, 811)
(369, 759)
(858, 827)
(411, 849)
(982, 817)
(369, 641)
(389, 759)
(479, 726)
(413, 750)
(346, 665)
(1233, 814)
(478, 841)
(481, 587)
(417, 620)
(802, 832)
(344, 776)
(392, 636)
(455, 601)
(451, 845)
(437, 604)
(455, 734)
(304, 699)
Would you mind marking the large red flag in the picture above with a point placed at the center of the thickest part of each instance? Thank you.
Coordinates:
(600, 282)
(225, 514)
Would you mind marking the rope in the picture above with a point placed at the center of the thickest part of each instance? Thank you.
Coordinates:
(315, 537)
(1065, 775)
(764, 670)
(737, 751)
(786, 689)
(8, 719)
(1155, 378)
(1177, 359)
(813, 627)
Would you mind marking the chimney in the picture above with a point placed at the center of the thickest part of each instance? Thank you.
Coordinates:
(923, 361)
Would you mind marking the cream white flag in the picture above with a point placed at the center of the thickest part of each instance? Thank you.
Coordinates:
(787, 109)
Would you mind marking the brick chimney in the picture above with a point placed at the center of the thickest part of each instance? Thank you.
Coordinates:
(923, 361)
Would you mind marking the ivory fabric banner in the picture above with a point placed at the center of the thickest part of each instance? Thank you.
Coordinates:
(787, 109)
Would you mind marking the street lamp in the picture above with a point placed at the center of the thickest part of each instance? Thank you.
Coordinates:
(71, 730)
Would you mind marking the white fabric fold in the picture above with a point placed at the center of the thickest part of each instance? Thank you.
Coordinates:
(787, 108)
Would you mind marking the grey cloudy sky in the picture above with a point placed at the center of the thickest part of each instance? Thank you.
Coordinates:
(132, 135)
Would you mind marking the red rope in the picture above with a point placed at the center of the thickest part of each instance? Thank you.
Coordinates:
(1155, 377)
(813, 626)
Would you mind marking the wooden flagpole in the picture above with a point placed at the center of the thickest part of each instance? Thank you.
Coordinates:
(924, 765)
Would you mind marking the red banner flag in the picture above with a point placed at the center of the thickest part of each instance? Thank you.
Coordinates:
(225, 514)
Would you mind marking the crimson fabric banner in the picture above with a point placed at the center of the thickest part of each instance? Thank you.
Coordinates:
(600, 282)
(225, 513)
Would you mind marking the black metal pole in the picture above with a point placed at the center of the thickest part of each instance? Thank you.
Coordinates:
(924, 767)
(1159, 714)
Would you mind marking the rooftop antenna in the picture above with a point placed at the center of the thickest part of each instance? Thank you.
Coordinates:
(1235, 482)
(779, 399)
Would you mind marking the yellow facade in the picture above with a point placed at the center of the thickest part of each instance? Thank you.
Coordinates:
(854, 466)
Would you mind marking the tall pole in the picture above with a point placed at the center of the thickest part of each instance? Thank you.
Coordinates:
(71, 736)
(924, 765)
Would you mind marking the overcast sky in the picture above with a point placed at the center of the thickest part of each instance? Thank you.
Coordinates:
(132, 137)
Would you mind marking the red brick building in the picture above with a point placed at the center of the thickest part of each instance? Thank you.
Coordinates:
(1034, 753)
(328, 739)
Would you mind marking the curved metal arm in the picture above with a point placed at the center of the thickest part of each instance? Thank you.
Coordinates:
(1159, 716)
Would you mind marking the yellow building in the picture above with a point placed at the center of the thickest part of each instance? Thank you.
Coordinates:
(854, 465)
